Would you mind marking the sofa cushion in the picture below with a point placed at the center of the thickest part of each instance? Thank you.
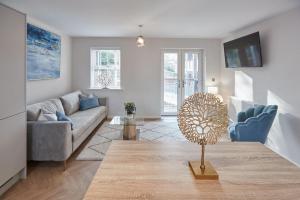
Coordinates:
(47, 116)
(51, 106)
(83, 119)
(70, 102)
(102, 100)
(86, 103)
(249, 112)
(241, 117)
(62, 117)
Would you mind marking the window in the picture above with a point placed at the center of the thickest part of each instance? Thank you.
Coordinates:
(105, 68)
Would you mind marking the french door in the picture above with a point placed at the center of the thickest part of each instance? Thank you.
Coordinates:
(182, 72)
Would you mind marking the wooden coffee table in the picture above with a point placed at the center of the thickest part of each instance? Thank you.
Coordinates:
(141, 170)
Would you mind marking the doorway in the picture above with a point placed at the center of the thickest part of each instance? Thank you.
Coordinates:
(182, 76)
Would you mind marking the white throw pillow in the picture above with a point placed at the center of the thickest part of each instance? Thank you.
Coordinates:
(47, 116)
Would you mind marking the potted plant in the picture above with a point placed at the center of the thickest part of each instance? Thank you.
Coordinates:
(130, 108)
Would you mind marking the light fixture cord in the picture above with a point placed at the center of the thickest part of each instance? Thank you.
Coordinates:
(140, 28)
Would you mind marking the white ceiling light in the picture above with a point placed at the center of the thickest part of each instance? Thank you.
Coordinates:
(140, 41)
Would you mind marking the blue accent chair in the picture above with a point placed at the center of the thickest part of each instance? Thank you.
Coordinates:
(254, 124)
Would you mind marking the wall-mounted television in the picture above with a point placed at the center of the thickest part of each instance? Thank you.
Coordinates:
(243, 52)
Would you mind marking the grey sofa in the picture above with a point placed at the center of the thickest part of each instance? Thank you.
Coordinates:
(55, 140)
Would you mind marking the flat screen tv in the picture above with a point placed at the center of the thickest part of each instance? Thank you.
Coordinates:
(243, 52)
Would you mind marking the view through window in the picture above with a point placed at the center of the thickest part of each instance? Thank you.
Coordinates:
(105, 68)
(182, 72)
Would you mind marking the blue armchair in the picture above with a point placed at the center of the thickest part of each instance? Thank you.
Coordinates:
(254, 124)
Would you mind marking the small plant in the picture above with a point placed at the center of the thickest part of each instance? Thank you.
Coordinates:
(130, 108)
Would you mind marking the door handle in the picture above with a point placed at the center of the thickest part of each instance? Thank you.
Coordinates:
(183, 82)
(178, 83)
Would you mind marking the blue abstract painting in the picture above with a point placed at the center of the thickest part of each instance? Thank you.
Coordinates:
(43, 54)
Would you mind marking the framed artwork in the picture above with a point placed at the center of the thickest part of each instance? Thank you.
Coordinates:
(43, 54)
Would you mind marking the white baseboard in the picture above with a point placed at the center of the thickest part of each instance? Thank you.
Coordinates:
(12, 181)
(144, 117)
(274, 150)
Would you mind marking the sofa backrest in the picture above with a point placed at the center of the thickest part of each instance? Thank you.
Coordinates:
(255, 111)
(66, 104)
(70, 102)
(270, 108)
(258, 109)
(51, 105)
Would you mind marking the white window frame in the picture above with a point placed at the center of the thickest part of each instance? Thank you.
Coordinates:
(92, 69)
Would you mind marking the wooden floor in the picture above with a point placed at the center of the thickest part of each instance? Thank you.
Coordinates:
(47, 180)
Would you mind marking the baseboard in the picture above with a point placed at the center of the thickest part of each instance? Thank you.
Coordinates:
(152, 117)
(146, 118)
(276, 151)
(12, 181)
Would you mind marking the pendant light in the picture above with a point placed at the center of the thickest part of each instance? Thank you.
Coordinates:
(140, 41)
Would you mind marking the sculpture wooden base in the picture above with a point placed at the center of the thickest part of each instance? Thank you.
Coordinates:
(209, 173)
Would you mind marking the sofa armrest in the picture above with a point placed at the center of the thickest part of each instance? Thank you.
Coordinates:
(50, 140)
(102, 101)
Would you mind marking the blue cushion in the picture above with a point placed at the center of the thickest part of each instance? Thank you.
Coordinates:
(86, 103)
(258, 109)
(250, 112)
(269, 108)
(63, 117)
(241, 117)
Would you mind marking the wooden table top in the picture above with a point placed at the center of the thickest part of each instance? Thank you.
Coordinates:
(141, 170)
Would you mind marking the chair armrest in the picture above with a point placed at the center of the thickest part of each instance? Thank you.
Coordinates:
(252, 128)
(50, 140)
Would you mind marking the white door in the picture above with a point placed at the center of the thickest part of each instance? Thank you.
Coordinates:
(181, 77)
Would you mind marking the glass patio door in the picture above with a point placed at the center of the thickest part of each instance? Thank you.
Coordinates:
(182, 77)
(191, 76)
(171, 83)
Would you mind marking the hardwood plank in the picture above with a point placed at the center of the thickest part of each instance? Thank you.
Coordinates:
(49, 180)
(141, 170)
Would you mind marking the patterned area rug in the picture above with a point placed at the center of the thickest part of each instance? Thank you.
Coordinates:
(161, 130)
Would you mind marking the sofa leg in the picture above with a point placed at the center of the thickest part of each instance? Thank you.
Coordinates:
(65, 165)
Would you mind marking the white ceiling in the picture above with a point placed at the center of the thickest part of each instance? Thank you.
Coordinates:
(161, 18)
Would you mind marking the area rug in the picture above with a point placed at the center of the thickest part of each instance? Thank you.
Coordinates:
(152, 131)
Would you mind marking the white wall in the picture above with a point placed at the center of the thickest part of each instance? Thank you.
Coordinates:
(275, 83)
(140, 69)
(44, 89)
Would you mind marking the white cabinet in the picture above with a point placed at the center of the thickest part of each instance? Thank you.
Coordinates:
(12, 146)
(12, 95)
(12, 62)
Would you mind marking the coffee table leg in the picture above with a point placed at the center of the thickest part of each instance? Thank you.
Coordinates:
(129, 132)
